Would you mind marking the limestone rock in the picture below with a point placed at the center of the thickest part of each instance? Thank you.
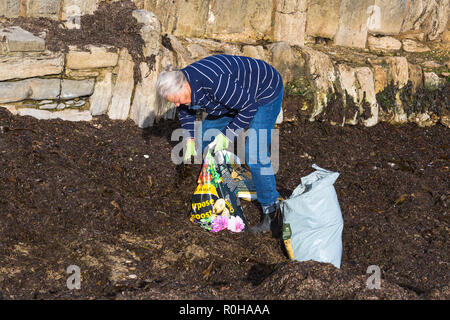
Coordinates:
(183, 56)
(414, 46)
(72, 10)
(81, 74)
(431, 64)
(35, 88)
(42, 89)
(437, 20)
(320, 70)
(366, 94)
(17, 39)
(14, 91)
(10, 9)
(380, 76)
(352, 29)
(78, 103)
(386, 16)
(197, 51)
(432, 81)
(20, 67)
(166, 11)
(346, 77)
(398, 70)
(213, 46)
(239, 21)
(322, 20)
(97, 57)
(3, 48)
(290, 6)
(445, 36)
(191, 18)
(123, 88)
(416, 35)
(415, 15)
(430, 16)
(256, 52)
(144, 108)
(358, 83)
(68, 115)
(100, 99)
(286, 61)
(167, 110)
(290, 28)
(383, 43)
(48, 9)
(76, 88)
(258, 20)
(226, 17)
(48, 106)
(45, 102)
(150, 31)
(399, 75)
(290, 22)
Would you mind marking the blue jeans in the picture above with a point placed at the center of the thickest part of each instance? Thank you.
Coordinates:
(260, 166)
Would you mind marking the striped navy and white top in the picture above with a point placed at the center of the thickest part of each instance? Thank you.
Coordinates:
(228, 84)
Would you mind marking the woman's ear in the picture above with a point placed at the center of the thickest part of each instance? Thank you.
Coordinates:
(187, 90)
(187, 87)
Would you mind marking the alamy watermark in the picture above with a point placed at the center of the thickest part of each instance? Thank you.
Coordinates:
(73, 14)
(74, 280)
(255, 140)
(374, 280)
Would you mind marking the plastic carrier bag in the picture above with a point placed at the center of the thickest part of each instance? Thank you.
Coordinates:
(312, 219)
(215, 206)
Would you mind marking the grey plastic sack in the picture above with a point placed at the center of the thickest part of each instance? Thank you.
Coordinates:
(314, 216)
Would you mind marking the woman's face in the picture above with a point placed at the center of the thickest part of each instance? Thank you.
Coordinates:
(181, 97)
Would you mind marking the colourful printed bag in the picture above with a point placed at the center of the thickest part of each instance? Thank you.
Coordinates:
(215, 206)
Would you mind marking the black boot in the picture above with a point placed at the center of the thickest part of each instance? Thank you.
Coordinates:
(270, 222)
(263, 226)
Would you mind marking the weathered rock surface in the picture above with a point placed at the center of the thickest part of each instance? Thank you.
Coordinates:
(41, 89)
(432, 81)
(414, 46)
(21, 67)
(290, 21)
(383, 44)
(150, 31)
(123, 87)
(96, 57)
(68, 115)
(320, 70)
(181, 32)
(352, 27)
(101, 97)
(17, 39)
(323, 21)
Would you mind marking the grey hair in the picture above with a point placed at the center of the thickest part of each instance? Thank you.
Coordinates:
(170, 81)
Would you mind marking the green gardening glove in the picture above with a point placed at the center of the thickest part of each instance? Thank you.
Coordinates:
(190, 150)
(220, 143)
(209, 158)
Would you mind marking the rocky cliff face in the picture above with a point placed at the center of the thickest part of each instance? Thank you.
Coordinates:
(357, 61)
